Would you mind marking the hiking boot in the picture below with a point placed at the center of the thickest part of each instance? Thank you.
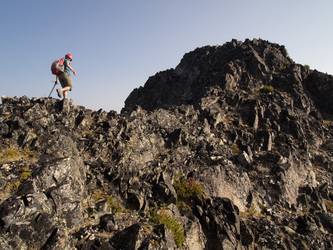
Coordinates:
(59, 92)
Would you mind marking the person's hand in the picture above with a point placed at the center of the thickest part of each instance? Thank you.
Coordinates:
(74, 72)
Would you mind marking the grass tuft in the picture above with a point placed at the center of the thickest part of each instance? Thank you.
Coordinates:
(99, 195)
(162, 217)
(15, 154)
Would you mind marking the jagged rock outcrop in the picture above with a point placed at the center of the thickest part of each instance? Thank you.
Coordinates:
(232, 149)
(248, 66)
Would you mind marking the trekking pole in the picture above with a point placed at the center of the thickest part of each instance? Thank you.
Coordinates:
(52, 89)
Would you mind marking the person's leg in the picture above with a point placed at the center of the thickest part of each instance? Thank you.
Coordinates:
(64, 91)
(66, 84)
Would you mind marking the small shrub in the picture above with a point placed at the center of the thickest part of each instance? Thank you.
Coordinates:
(253, 212)
(161, 217)
(267, 89)
(187, 188)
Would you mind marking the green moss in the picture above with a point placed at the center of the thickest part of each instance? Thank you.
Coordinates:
(14, 185)
(267, 89)
(115, 208)
(161, 217)
(25, 173)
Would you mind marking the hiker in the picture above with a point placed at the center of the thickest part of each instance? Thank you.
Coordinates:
(64, 78)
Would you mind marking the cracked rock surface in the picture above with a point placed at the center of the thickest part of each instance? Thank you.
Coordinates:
(232, 149)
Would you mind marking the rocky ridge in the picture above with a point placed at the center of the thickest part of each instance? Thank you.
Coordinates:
(232, 149)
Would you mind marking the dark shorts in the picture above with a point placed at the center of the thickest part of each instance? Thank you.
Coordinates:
(65, 80)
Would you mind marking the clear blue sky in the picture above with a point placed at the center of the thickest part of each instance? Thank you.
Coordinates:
(117, 45)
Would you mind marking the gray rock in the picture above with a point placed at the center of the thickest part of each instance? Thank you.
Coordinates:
(240, 124)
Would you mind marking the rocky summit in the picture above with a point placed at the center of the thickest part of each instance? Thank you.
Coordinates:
(231, 149)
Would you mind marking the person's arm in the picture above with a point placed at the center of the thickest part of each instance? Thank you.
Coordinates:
(69, 66)
(56, 81)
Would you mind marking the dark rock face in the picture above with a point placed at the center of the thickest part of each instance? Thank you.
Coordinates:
(232, 149)
(247, 66)
(320, 89)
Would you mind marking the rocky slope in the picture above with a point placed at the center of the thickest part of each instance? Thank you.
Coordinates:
(232, 149)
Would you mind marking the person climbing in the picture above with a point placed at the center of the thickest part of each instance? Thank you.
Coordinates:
(64, 78)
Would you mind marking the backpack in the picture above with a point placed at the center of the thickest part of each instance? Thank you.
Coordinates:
(58, 67)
